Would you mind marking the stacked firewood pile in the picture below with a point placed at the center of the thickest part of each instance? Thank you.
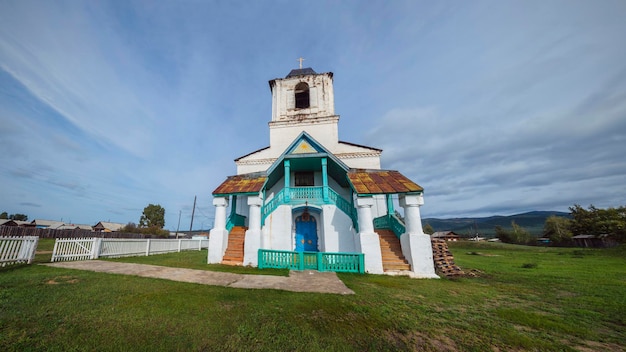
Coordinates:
(444, 260)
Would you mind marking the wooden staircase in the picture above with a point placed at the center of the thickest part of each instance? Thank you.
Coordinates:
(390, 248)
(234, 251)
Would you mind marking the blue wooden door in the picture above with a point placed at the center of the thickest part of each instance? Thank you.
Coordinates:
(306, 234)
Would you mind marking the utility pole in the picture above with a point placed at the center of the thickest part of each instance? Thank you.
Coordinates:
(178, 226)
(192, 212)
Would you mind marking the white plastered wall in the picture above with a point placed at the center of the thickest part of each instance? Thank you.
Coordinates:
(338, 233)
(277, 229)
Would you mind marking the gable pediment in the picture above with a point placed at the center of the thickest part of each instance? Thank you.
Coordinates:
(303, 147)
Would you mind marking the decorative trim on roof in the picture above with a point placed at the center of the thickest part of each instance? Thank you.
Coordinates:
(381, 182)
(356, 155)
(242, 184)
(315, 144)
(256, 161)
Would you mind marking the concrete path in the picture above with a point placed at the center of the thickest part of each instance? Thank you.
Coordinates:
(298, 281)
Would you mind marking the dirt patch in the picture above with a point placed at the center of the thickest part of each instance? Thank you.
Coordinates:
(592, 346)
(62, 280)
(483, 254)
(416, 341)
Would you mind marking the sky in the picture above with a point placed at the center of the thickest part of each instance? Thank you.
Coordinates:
(494, 107)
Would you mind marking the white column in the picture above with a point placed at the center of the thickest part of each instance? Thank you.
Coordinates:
(218, 236)
(253, 234)
(367, 240)
(416, 245)
(412, 218)
(364, 211)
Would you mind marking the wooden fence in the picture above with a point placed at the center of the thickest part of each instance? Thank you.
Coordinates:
(14, 250)
(66, 249)
(18, 231)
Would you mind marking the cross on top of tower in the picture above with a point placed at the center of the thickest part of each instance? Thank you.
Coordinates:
(300, 59)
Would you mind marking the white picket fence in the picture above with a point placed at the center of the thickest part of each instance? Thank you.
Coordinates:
(66, 249)
(14, 250)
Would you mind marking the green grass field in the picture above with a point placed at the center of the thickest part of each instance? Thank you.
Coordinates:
(521, 298)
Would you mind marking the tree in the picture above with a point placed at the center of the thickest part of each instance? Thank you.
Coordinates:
(594, 221)
(557, 229)
(428, 229)
(19, 217)
(153, 216)
(517, 234)
(4, 215)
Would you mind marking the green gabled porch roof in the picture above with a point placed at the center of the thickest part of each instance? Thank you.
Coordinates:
(304, 153)
(366, 182)
(241, 184)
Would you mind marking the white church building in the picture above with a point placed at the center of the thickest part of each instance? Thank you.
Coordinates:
(312, 201)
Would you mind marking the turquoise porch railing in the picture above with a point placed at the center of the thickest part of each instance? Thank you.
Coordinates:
(391, 222)
(320, 261)
(310, 195)
(235, 220)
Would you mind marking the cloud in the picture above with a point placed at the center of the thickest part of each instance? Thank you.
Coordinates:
(29, 204)
(492, 107)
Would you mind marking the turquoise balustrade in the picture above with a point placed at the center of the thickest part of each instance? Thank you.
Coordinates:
(390, 222)
(320, 261)
(235, 220)
(311, 195)
(397, 226)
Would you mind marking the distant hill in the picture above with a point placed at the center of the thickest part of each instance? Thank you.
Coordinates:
(532, 221)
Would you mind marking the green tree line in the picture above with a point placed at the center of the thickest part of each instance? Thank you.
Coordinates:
(591, 221)
(19, 217)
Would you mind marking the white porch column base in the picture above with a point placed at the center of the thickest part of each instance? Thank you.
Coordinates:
(251, 247)
(418, 251)
(218, 240)
(218, 236)
(253, 234)
(416, 246)
(369, 245)
(367, 241)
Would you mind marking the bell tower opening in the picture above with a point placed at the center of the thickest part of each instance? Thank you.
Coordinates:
(302, 96)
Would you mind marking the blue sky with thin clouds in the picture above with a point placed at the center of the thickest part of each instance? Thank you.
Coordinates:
(494, 107)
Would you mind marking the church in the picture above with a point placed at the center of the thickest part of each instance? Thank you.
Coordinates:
(312, 201)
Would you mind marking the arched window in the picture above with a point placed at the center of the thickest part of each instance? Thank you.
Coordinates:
(302, 96)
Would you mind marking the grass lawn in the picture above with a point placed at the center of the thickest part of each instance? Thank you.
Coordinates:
(522, 298)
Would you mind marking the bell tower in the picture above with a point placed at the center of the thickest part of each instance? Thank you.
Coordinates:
(303, 101)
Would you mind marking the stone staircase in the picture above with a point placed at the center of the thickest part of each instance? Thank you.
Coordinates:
(391, 251)
(234, 250)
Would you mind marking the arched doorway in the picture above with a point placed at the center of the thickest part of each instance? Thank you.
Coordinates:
(306, 233)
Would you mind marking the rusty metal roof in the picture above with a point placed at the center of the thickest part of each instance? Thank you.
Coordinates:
(381, 182)
(247, 183)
